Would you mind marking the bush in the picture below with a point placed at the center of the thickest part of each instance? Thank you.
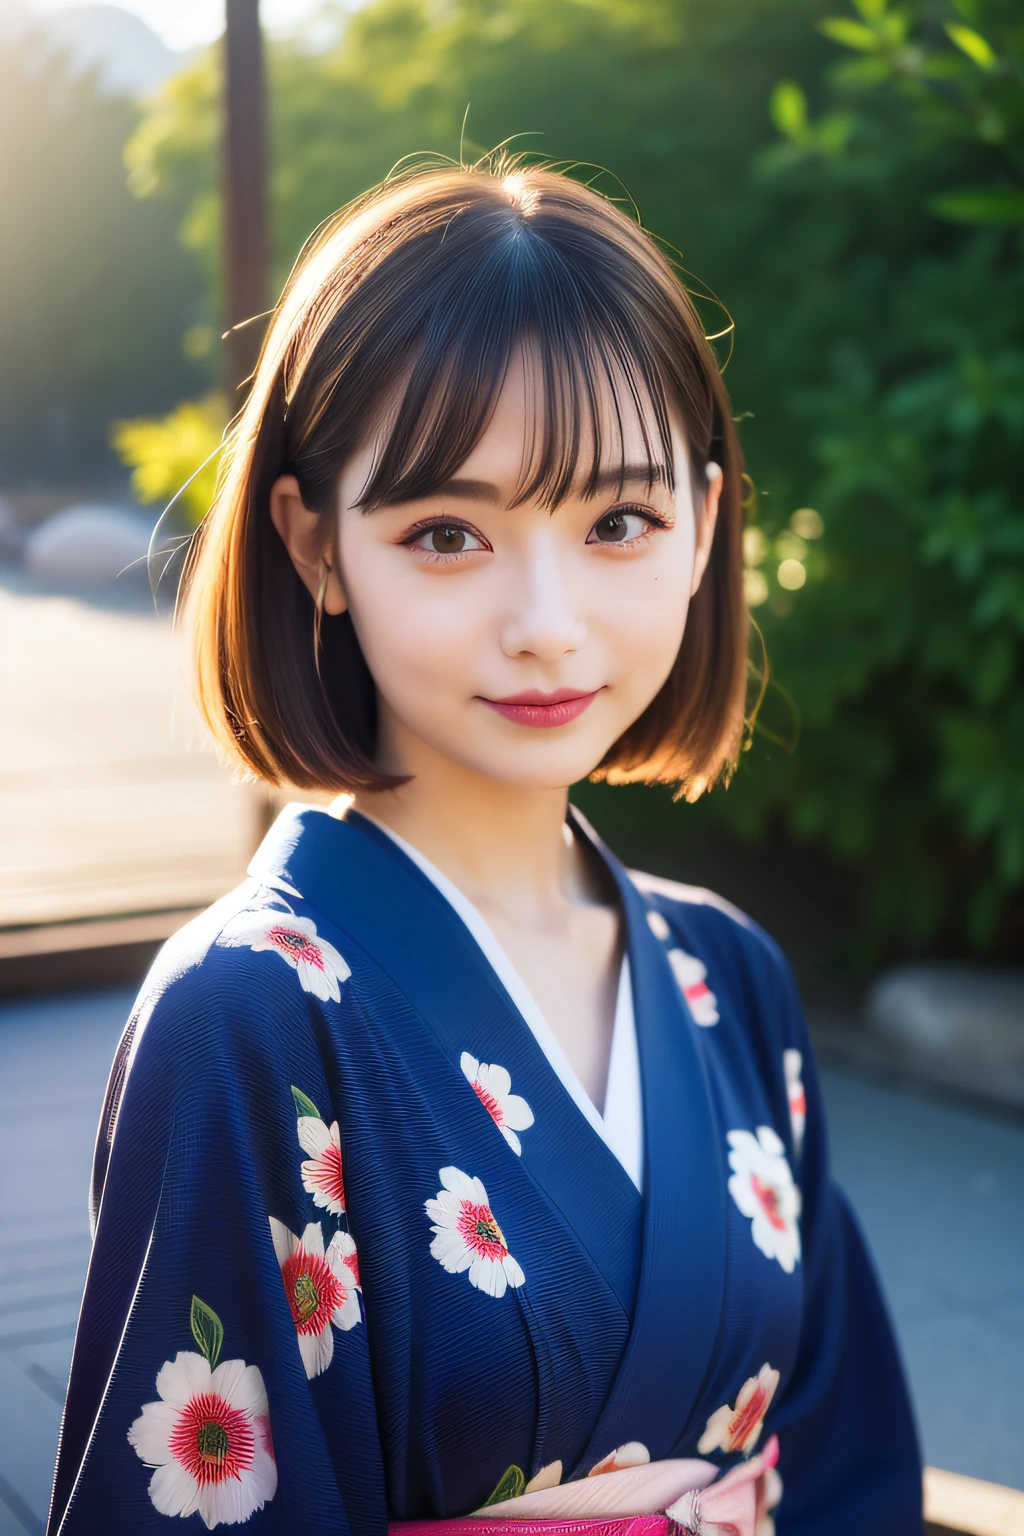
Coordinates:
(174, 458)
(904, 649)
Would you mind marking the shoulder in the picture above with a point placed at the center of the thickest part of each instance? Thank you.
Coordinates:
(690, 910)
(729, 955)
(240, 975)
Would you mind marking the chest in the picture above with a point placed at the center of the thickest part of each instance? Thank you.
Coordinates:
(525, 1304)
(571, 970)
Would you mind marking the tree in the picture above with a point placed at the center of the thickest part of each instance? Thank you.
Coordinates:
(97, 291)
(867, 249)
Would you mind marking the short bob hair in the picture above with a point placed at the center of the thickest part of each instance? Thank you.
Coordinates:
(408, 305)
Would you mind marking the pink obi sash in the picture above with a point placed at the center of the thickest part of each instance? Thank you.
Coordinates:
(662, 1498)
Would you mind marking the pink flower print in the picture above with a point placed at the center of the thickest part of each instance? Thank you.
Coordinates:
(318, 965)
(632, 1454)
(739, 1429)
(762, 1186)
(691, 975)
(322, 1289)
(321, 1172)
(492, 1086)
(792, 1065)
(467, 1237)
(208, 1435)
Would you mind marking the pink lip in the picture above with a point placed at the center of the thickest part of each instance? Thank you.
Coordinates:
(543, 709)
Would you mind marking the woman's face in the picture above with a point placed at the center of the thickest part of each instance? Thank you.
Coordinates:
(519, 642)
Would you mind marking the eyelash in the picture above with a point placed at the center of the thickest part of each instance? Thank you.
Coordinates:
(434, 557)
(629, 508)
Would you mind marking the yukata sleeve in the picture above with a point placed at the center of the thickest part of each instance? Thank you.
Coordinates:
(221, 1367)
(849, 1457)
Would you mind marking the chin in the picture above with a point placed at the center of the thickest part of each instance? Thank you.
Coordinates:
(540, 767)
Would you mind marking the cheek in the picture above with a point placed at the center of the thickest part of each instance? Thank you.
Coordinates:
(643, 615)
(417, 637)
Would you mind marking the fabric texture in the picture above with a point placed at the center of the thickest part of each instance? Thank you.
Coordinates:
(359, 1257)
(619, 1121)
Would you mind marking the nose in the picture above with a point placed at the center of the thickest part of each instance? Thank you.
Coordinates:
(542, 619)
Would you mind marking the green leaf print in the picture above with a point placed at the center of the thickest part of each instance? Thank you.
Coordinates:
(208, 1331)
(304, 1105)
(510, 1486)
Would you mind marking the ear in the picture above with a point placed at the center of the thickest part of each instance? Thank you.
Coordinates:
(302, 533)
(707, 517)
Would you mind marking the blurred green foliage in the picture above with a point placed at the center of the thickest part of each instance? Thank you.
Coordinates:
(852, 185)
(95, 289)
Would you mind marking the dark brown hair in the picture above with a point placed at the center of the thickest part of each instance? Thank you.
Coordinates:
(417, 296)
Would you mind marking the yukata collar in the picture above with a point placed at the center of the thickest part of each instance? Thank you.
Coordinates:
(678, 1302)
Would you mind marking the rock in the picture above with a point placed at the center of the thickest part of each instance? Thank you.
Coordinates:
(967, 1016)
(88, 543)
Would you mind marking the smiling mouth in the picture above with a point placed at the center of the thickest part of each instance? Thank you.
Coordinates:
(543, 709)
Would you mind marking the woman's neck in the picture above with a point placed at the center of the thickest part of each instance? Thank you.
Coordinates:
(506, 851)
(503, 845)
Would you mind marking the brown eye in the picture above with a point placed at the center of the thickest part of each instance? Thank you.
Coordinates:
(447, 541)
(618, 527)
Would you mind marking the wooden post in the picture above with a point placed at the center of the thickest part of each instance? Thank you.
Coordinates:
(245, 241)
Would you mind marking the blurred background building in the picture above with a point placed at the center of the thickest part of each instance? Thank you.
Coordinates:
(843, 183)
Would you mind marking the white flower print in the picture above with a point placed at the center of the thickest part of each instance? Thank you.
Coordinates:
(792, 1065)
(321, 1172)
(739, 1429)
(548, 1477)
(208, 1437)
(322, 1288)
(691, 975)
(658, 925)
(632, 1454)
(492, 1086)
(319, 966)
(763, 1188)
(467, 1237)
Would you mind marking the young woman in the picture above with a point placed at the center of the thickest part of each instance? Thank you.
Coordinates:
(445, 1164)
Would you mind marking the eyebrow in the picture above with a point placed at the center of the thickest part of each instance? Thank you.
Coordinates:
(462, 489)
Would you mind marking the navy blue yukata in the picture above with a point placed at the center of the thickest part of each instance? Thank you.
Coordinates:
(359, 1256)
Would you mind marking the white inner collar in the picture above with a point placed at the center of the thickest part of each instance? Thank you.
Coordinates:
(621, 1125)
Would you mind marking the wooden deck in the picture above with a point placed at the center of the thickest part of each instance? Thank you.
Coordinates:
(111, 800)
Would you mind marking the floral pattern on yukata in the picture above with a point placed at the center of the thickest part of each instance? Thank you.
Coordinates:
(632, 1454)
(493, 1087)
(208, 1434)
(318, 965)
(321, 1172)
(762, 1186)
(792, 1066)
(691, 974)
(467, 1237)
(739, 1428)
(322, 1287)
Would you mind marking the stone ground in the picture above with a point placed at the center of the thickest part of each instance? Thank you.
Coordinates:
(938, 1190)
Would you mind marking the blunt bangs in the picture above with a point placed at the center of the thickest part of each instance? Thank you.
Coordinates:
(440, 322)
(522, 298)
(398, 326)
